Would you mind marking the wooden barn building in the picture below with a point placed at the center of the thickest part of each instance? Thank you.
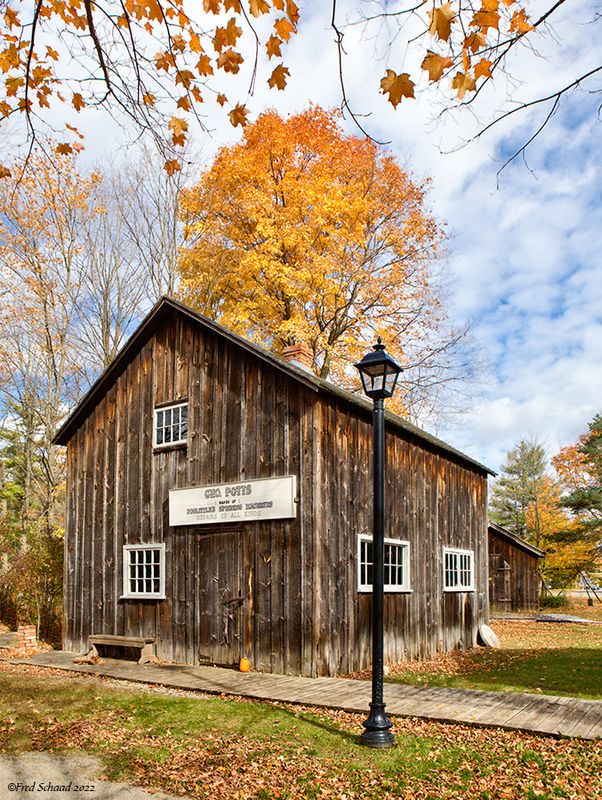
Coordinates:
(219, 504)
(513, 571)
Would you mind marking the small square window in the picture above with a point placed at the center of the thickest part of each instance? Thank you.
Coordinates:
(458, 570)
(144, 571)
(396, 565)
(171, 425)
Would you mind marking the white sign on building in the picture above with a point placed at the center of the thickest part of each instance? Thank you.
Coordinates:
(273, 498)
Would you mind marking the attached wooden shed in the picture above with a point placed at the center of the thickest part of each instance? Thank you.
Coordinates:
(219, 503)
(513, 571)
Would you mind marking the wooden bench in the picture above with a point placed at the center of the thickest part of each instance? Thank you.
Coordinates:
(146, 644)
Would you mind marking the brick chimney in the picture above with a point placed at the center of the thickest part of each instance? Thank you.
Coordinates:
(300, 354)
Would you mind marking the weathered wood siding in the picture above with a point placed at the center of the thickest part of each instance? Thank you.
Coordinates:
(282, 592)
(513, 576)
(229, 590)
(431, 502)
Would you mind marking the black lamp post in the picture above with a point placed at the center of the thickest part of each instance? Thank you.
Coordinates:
(379, 373)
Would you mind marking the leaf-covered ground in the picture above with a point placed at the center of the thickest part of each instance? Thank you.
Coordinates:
(233, 749)
(540, 657)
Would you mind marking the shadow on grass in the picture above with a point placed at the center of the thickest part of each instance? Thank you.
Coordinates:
(575, 672)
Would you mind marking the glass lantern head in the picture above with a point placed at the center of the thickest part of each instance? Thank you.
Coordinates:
(379, 372)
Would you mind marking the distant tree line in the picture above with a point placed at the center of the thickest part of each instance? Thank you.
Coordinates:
(559, 510)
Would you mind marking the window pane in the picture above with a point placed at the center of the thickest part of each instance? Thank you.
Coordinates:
(159, 435)
(184, 430)
(175, 416)
(159, 419)
(167, 413)
(184, 413)
(167, 435)
(176, 433)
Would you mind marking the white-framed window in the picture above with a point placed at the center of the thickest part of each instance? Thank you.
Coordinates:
(458, 570)
(396, 563)
(171, 425)
(144, 571)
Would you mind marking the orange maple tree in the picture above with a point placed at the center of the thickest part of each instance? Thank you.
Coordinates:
(153, 63)
(302, 233)
(557, 533)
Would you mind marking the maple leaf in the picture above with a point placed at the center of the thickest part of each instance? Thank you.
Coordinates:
(486, 19)
(203, 65)
(194, 43)
(284, 28)
(78, 101)
(435, 65)
(222, 99)
(483, 69)
(172, 166)
(278, 77)
(441, 19)
(178, 127)
(258, 7)
(184, 103)
(475, 41)
(232, 5)
(184, 77)
(463, 83)
(212, 6)
(64, 149)
(149, 99)
(227, 36)
(164, 60)
(11, 18)
(292, 11)
(274, 46)
(74, 130)
(4, 171)
(238, 115)
(178, 42)
(397, 86)
(52, 53)
(520, 22)
(230, 61)
(196, 93)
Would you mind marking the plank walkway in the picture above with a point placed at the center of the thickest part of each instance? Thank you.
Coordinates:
(540, 714)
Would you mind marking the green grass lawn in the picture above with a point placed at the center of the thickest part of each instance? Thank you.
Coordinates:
(227, 749)
(546, 658)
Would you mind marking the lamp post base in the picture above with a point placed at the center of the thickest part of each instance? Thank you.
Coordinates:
(378, 729)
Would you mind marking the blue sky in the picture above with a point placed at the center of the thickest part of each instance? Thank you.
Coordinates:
(523, 257)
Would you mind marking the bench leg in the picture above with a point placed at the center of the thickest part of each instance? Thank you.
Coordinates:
(91, 657)
(147, 656)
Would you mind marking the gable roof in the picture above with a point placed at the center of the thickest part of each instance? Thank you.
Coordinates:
(515, 540)
(167, 306)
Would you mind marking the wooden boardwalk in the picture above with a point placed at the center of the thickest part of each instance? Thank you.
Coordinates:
(540, 714)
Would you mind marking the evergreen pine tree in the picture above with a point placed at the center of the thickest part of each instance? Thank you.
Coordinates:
(518, 487)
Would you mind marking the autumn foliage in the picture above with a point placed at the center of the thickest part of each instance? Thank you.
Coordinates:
(154, 63)
(301, 233)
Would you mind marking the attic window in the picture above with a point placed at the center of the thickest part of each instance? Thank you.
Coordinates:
(171, 425)
(458, 570)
